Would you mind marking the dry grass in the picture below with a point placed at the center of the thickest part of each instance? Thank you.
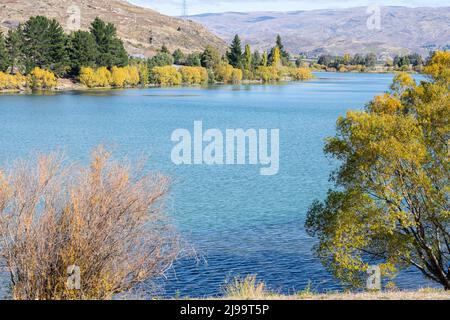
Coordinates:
(105, 218)
(250, 288)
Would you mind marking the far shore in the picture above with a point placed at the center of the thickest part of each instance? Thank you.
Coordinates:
(65, 85)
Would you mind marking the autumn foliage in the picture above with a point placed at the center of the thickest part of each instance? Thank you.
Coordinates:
(106, 218)
(391, 202)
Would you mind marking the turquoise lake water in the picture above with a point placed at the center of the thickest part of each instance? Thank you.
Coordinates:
(238, 221)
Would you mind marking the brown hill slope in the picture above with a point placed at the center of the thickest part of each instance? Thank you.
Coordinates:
(143, 30)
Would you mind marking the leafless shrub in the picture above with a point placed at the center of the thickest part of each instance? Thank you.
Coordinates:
(106, 218)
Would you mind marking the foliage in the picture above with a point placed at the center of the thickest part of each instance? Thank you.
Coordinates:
(194, 75)
(82, 51)
(127, 76)
(4, 55)
(210, 57)
(14, 46)
(268, 74)
(111, 51)
(12, 82)
(105, 218)
(225, 73)
(235, 55)
(161, 59)
(276, 58)
(178, 57)
(194, 60)
(439, 67)
(98, 78)
(391, 204)
(42, 79)
(283, 52)
(301, 74)
(144, 74)
(166, 76)
(44, 45)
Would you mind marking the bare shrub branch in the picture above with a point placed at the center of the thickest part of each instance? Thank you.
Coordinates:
(107, 219)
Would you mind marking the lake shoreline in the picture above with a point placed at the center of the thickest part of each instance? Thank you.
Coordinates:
(67, 85)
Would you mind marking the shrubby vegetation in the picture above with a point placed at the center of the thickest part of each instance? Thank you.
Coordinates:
(391, 202)
(37, 79)
(97, 58)
(193, 75)
(166, 76)
(106, 218)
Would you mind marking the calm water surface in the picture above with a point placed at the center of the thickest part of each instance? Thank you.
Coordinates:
(238, 221)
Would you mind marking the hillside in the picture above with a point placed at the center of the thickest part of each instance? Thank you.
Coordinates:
(338, 31)
(143, 30)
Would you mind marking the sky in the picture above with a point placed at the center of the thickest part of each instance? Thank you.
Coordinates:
(174, 7)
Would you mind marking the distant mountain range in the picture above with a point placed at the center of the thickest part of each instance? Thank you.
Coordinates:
(338, 31)
(143, 30)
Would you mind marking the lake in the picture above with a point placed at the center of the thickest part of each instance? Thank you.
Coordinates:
(238, 221)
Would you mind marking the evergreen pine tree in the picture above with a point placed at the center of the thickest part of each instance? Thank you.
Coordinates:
(82, 51)
(256, 60)
(284, 54)
(4, 56)
(14, 47)
(111, 51)
(235, 53)
(44, 44)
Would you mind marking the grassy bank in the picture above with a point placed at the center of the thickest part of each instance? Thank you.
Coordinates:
(250, 288)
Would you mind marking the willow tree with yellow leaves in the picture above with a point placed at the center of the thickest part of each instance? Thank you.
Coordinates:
(391, 202)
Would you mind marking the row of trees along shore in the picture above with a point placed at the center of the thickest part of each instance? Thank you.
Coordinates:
(38, 52)
(361, 63)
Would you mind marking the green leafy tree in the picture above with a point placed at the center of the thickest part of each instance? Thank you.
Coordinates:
(391, 202)
(14, 46)
(210, 57)
(370, 60)
(194, 59)
(265, 59)
(4, 56)
(256, 60)
(161, 59)
(179, 57)
(44, 44)
(248, 58)
(111, 50)
(82, 51)
(235, 55)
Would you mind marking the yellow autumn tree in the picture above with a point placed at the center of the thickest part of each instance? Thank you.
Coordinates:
(12, 82)
(276, 59)
(300, 74)
(194, 75)
(225, 73)
(268, 74)
(98, 78)
(166, 76)
(42, 79)
(391, 202)
(119, 77)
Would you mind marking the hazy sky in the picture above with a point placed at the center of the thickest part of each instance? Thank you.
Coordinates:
(174, 7)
